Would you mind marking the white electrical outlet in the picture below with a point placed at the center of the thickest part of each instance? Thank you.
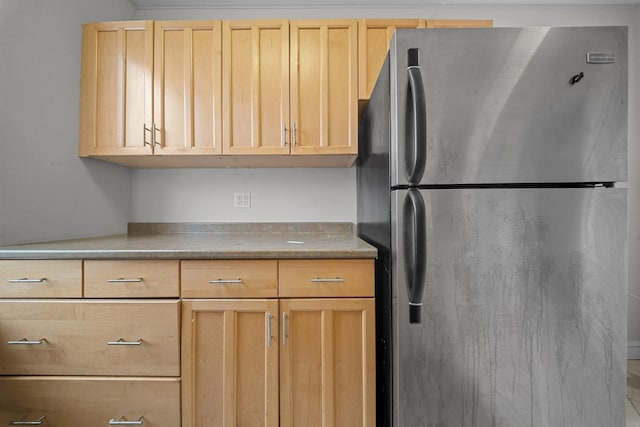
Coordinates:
(241, 200)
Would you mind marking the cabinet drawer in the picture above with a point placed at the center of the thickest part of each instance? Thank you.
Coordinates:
(326, 278)
(40, 279)
(90, 401)
(91, 337)
(229, 279)
(131, 279)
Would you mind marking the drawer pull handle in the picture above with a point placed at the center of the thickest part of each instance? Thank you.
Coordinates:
(24, 422)
(284, 329)
(27, 280)
(269, 333)
(123, 280)
(25, 341)
(328, 280)
(121, 341)
(224, 281)
(122, 421)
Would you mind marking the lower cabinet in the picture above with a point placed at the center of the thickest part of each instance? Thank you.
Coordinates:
(292, 362)
(229, 363)
(251, 343)
(327, 364)
(89, 401)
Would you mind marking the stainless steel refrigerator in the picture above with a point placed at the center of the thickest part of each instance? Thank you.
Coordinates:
(489, 177)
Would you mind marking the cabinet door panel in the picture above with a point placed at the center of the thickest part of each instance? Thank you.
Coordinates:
(40, 278)
(229, 366)
(116, 84)
(374, 36)
(131, 278)
(256, 87)
(89, 401)
(326, 278)
(229, 278)
(327, 362)
(324, 86)
(187, 87)
(78, 337)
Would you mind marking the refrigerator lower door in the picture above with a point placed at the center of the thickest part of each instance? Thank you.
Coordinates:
(523, 315)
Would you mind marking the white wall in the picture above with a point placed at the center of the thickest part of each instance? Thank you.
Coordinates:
(46, 191)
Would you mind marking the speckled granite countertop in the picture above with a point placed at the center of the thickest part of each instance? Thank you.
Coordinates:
(206, 241)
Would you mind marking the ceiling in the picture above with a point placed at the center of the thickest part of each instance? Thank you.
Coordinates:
(297, 4)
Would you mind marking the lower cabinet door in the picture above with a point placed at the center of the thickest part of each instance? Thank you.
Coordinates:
(229, 363)
(89, 401)
(327, 362)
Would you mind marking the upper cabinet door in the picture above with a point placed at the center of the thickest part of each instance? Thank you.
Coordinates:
(256, 87)
(187, 87)
(324, 92)
(116, 85)
(374, 37)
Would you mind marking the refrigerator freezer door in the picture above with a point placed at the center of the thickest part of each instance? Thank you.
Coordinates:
(509, 105)
(523, 309)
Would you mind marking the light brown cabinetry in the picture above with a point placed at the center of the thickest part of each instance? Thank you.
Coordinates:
(375, 36)
(40, 279)
(90, 361)
(323, 348)
(327, 369)
(131, 279)
(256, 87)
(116, 114)
(121, 84)
(89, 401)
(324, 76)
(187, 87)
(290, 87)
(230, 363)
(195, 94)
(97, 337)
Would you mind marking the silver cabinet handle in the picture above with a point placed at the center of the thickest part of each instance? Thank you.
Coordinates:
(284, 329)
(145, 129)
(295, 134)
(27, 280)
(24, 422)
(223, 281)
(25, 341)
(121, 341)
(284, 135)
(154, 140)
(123, 280)
(123, 422)
(269, 334)
(328, 280)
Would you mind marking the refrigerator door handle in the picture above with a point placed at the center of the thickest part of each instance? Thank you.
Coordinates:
(415, 127)
(415, 249)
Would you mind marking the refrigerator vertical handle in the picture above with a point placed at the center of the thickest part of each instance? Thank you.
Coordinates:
(415, 150)
(415, 250)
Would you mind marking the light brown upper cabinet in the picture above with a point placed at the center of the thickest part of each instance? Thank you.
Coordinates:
(290, 88)
(116, 89)
(256, 87)
(375, 36)
(187, 87)
(324, 92)
(151, 91)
